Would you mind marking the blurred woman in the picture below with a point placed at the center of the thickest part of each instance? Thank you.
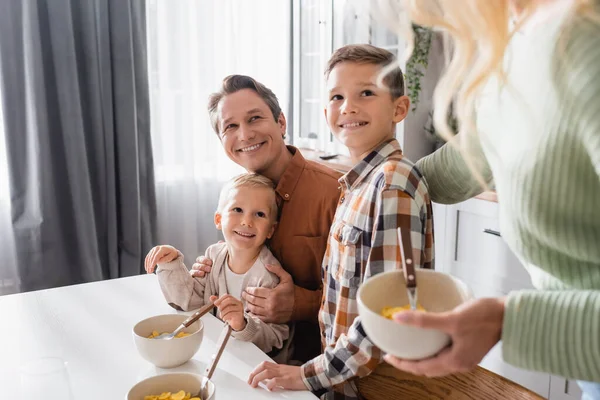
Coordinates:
(524, 82)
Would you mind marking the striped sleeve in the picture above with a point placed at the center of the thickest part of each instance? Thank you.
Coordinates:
(559, 331)
(448, 176)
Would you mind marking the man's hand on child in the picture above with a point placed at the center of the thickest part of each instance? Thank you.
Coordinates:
(277, 376)
(272, 305)
(159, 254)
(231, 310)
(201, 267)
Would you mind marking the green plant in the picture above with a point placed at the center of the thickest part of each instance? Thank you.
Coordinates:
(417, 64)
(431, 131)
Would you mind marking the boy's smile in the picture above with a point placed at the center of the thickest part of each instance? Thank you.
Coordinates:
(247, 218)
(359, 113)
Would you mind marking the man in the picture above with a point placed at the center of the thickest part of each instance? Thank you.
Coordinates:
(251, 126)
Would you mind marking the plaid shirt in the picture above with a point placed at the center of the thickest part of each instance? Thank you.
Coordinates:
(381, 193)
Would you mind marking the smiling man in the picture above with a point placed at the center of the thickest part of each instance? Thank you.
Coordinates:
(251, 126)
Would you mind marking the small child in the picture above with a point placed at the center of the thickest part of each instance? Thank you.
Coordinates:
(247, 215)
(382, 192)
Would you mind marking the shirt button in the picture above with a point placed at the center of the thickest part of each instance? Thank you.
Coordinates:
(287, 195)
(342, 200)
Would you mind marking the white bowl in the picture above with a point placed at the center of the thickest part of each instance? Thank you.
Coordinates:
(170, 383)
(167, 353)
(437, 292)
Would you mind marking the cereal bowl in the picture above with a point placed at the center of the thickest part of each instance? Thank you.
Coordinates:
(167, 353)
(175, 382)
(437, 292)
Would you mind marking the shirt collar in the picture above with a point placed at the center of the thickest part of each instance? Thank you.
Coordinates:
(289, 180)
(364, 167)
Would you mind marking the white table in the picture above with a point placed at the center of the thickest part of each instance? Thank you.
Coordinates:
(89, 326)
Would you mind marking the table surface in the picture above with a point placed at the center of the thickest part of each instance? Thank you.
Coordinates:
(90, 327)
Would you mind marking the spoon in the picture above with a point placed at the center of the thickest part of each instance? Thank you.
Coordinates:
(203, 393)
(193, 318)
(408, 266)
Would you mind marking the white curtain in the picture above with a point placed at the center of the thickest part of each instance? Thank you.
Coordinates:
(193, 45)
(9, 281)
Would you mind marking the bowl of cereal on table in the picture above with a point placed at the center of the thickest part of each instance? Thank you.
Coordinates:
(167, 353)
(172, 386)
(382, 295)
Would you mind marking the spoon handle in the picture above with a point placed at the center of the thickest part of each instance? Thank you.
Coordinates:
(406, 252)
(221, 343)
(195, 316)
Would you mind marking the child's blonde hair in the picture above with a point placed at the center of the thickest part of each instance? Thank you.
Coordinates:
(254, 181)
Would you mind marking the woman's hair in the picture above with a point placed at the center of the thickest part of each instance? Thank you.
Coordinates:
(478, 33)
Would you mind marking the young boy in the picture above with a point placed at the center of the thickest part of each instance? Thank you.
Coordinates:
(247, 215)
(382, 192)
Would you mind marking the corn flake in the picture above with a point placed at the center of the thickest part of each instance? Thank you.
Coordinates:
(181, 395)
(388, 312)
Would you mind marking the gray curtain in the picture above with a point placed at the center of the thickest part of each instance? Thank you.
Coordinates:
(77, 130)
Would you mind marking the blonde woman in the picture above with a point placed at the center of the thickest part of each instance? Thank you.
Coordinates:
(525, 80)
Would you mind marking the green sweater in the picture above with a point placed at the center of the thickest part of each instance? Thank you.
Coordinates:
(541, 143)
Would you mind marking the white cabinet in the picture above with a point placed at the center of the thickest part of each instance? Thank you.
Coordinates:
(469, 245)
(564, 389)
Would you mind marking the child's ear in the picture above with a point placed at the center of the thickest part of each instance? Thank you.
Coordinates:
(272, 231)
(218, 220)
(401, 107)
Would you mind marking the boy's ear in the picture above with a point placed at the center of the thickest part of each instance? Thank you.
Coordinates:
(401, 107)
(270, 235)
(325, 112)
(218, 220)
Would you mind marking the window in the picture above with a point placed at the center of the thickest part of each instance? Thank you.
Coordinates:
(320, 27)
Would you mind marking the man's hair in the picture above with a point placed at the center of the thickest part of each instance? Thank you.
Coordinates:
(253, 181)
(367, 54)
(234, 83)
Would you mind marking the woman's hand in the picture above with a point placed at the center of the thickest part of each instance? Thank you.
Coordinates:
(277, 376)
(474, 328)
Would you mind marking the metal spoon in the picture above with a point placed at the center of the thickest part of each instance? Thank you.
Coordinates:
(193, 318)
(203, 393)
(408, 266)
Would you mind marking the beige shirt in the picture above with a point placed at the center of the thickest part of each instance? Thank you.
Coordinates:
(184, 292)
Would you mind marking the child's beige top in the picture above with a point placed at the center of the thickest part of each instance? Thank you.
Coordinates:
(184, 292)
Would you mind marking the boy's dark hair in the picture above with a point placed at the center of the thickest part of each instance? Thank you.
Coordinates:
(368, 54)
(234, 83)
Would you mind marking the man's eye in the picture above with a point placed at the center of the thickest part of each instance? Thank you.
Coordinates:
(261, 214)
(254, 118)
(367, 93)
(236, 209)
(230, 126)
(336, 97)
